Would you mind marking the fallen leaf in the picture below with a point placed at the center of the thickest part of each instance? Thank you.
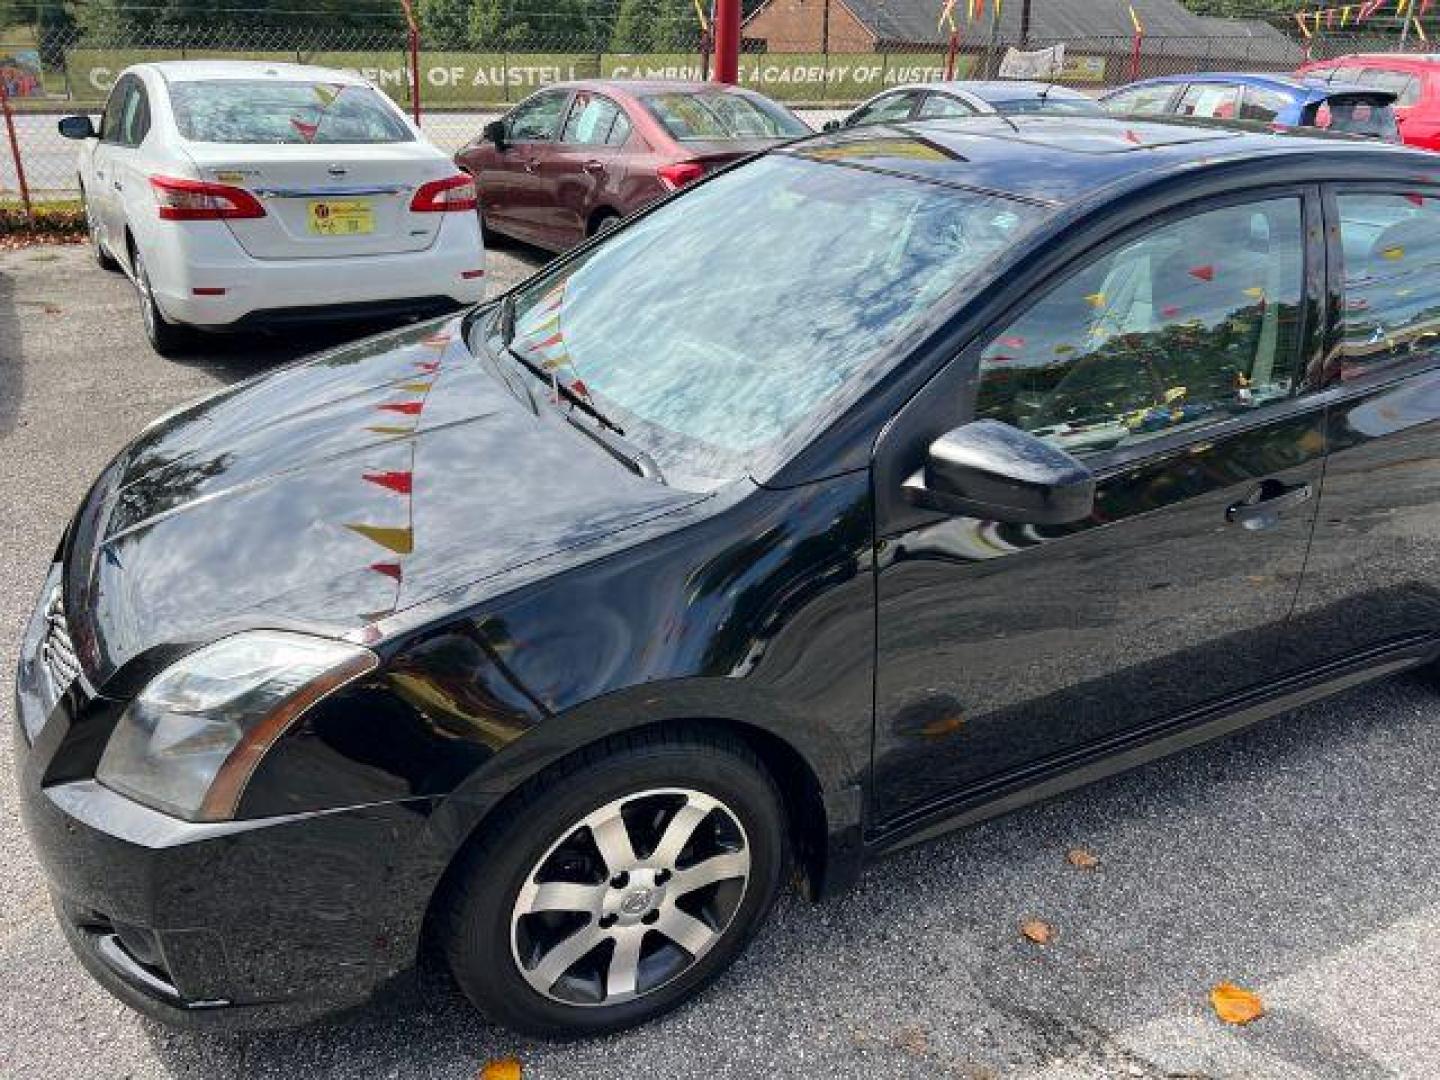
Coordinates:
(500, 1069)
(52, 309)
(1037, 931)
(1082, 859)
(1235, 1005)
(912, 1040)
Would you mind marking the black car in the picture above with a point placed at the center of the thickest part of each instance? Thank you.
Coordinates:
(875, 486)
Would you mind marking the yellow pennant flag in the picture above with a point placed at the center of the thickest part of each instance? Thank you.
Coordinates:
(400, 541)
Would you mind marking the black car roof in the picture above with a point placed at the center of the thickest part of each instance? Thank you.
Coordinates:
(1063, 159)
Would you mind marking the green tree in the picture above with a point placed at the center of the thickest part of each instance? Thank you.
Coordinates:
(445, 24)
(643, 26)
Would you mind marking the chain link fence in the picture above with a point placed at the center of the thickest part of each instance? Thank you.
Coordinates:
(477, 57)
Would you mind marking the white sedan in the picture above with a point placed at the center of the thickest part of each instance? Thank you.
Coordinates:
(242, 194)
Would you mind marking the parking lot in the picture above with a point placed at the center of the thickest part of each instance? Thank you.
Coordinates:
(1297, 859)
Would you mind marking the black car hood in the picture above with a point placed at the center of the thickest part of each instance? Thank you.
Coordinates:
(331, 494)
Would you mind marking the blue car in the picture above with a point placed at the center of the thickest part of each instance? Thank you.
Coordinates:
(1283, 101)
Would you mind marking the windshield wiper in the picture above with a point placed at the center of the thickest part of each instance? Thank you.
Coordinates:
(505, 321)
(637, 460)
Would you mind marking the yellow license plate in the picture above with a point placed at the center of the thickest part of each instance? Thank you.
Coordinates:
(341, 218)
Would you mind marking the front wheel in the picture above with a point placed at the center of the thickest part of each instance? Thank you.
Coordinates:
(618, 887)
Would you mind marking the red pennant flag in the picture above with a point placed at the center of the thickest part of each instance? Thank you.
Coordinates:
(1204, 273)
(428, 366)
(1170, 312)
(1418, 200)
(398, 482)
(405, 408)
(389, 569)
(307, 131)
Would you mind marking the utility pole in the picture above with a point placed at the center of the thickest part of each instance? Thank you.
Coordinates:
(727, 41)
(1025, 25)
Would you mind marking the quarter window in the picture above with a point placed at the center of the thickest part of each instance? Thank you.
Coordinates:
(1405, 86)
(1192, 323)
(112, 121)
(135, 117)
(537, 119)
(1391, 246)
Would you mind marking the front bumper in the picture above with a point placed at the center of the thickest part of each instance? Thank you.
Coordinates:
(236, 924)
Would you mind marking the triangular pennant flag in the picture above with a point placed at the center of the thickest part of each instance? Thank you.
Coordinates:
(405, 408)
(399, 540)
(428, 366)
(307, 131)
(1095, 299)
(395, 481)
(389, 569)
(382, 429)
(1203, 273)
(437, 340)
(414, 387)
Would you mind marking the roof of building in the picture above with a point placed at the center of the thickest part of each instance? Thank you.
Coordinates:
(1061, 160)
(1170, 29)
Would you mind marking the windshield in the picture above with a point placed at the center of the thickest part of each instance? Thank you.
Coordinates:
(712, 115)
(270, 111)
(739, 314)
(1066, 105)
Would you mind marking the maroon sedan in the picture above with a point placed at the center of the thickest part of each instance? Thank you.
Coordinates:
(573, 159)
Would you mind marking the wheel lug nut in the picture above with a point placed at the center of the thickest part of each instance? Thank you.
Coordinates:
(607, 921)
(662, 876)
(650, 918)
(620, 880)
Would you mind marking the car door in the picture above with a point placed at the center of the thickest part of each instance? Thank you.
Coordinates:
(1169, 360)
(587, 166)
(1373, 579)
(887, 108)
(128, 178)
(514, 195)
(100, 191)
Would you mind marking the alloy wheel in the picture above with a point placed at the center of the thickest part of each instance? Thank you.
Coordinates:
(630, 897)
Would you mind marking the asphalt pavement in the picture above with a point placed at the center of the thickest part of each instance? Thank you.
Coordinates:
(1297, 859)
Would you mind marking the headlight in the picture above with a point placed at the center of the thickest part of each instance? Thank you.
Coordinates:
(188, 744)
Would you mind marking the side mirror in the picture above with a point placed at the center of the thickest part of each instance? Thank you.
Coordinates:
(831, 125)
(76, 127)
(996, 472)
(494, 132)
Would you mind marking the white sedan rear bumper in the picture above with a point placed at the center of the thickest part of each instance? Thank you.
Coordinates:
(186, 256)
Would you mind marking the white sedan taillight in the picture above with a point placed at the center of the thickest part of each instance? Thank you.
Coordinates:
(442, 196)
(198, 200)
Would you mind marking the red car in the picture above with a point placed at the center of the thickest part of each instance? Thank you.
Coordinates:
(573, 159)
(1415, 79)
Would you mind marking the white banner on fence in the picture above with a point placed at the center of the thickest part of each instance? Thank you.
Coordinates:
(1043, 64)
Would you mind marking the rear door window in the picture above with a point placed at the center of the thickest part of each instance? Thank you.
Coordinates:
(1356, 115)
(1391, 257)
(1218, 101)
(940, 105)
(1263, 105)
(283, 111)
(592, 118)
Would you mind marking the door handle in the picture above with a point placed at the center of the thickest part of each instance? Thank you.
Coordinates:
(1261, 509)
(531, 164)
(117, 185)
(594, 166)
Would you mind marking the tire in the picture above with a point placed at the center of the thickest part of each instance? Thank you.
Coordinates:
(604, 223)
(103, 258)
(699, 809)
(165, 338)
